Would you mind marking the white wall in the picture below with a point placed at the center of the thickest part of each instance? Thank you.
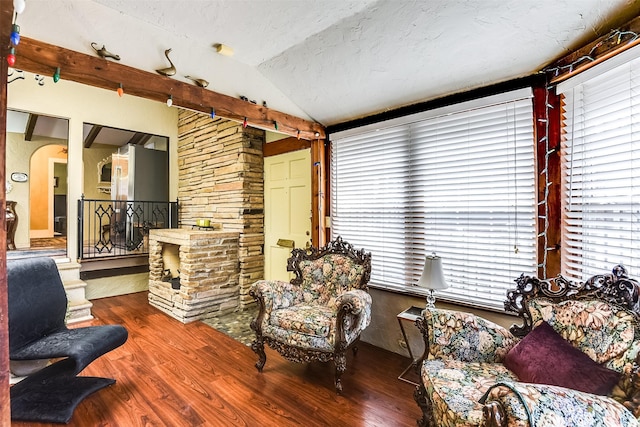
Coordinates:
(79, 103)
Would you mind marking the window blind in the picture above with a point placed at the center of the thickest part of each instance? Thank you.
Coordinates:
(457, 181)
(600, 172)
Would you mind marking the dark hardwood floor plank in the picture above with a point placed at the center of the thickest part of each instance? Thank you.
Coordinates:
(172, 374)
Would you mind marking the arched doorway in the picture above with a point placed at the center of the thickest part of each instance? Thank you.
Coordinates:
(48, 198)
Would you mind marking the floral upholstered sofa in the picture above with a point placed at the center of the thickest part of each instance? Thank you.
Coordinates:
(573, 361)
(321, 312)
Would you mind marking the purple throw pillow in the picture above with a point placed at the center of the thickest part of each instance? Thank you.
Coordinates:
(544, 357)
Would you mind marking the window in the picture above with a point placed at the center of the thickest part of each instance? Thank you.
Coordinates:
(458, 181)
(600, 168)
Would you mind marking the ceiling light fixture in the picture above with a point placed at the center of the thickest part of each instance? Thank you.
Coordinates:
(170, 101)
(120, 90)
(213, 113)
(56, 75)
(223, 49)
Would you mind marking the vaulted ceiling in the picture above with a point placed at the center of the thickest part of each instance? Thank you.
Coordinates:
(331, 60)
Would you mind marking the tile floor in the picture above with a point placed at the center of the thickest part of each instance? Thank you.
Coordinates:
(236, 325)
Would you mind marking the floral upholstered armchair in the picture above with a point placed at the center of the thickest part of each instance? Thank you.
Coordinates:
(573, 361)
(321, 312)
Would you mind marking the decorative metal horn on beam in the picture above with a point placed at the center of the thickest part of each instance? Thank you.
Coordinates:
(104, 53)
(169, 71)
(199, 82)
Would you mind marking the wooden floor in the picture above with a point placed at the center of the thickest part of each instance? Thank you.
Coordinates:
(171, 374)
(49, 243)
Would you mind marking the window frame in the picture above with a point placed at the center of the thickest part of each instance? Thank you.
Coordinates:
(594, 260)
(473, 103)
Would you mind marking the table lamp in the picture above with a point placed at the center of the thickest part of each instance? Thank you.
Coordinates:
(432, 278)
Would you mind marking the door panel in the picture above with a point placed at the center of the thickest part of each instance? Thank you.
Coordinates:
(287, 209)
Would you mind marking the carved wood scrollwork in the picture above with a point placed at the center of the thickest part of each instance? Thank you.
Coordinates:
(615, 287)
(337, 246)
(421, 397)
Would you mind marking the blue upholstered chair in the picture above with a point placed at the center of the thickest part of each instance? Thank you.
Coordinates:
(37, 330)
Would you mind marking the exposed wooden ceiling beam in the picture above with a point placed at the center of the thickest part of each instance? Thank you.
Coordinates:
(285, 145)
(140, 138)
(43, 58)
(599, 50)
(31, 125)
(92, 135)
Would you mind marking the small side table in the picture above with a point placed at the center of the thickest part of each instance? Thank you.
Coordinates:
(410, 314)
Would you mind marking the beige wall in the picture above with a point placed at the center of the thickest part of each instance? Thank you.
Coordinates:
(79, 104)
(92, 157)
(41, 190)
(60, 172)
(18, 155)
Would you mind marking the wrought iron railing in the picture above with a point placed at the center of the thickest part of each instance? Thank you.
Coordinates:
(116, 228)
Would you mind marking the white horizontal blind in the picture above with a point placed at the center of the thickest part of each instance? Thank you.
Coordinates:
(601, 175)
(460, 184)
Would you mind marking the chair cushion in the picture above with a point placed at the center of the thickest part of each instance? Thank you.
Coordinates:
(315, 320)
(544, 357)
(455, 388)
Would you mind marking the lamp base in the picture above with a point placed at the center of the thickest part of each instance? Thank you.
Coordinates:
(431, 300)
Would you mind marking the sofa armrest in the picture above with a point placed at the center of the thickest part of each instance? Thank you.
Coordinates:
(463, 336)
(524, 404)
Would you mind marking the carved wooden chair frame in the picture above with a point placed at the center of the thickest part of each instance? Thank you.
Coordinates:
(304, 355)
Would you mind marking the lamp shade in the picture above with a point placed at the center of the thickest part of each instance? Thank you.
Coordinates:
(432, 275)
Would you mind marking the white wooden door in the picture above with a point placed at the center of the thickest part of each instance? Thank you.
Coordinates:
(287, 214)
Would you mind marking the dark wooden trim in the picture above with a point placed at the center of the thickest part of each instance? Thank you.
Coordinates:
(327, 191)
(596, 52)
(92, 135)
(43, 58)
(438, 103)
(286, 145)
(318, 188)
(140, 138)
(546, 110)
(31, 125)
(111, 272)
(6, 15)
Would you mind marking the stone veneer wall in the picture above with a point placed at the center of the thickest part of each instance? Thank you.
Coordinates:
(221, 178)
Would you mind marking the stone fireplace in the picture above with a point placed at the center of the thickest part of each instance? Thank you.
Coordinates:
(208, 266)
(220, 178)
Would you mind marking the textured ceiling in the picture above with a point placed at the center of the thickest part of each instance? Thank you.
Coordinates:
(327, 60)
